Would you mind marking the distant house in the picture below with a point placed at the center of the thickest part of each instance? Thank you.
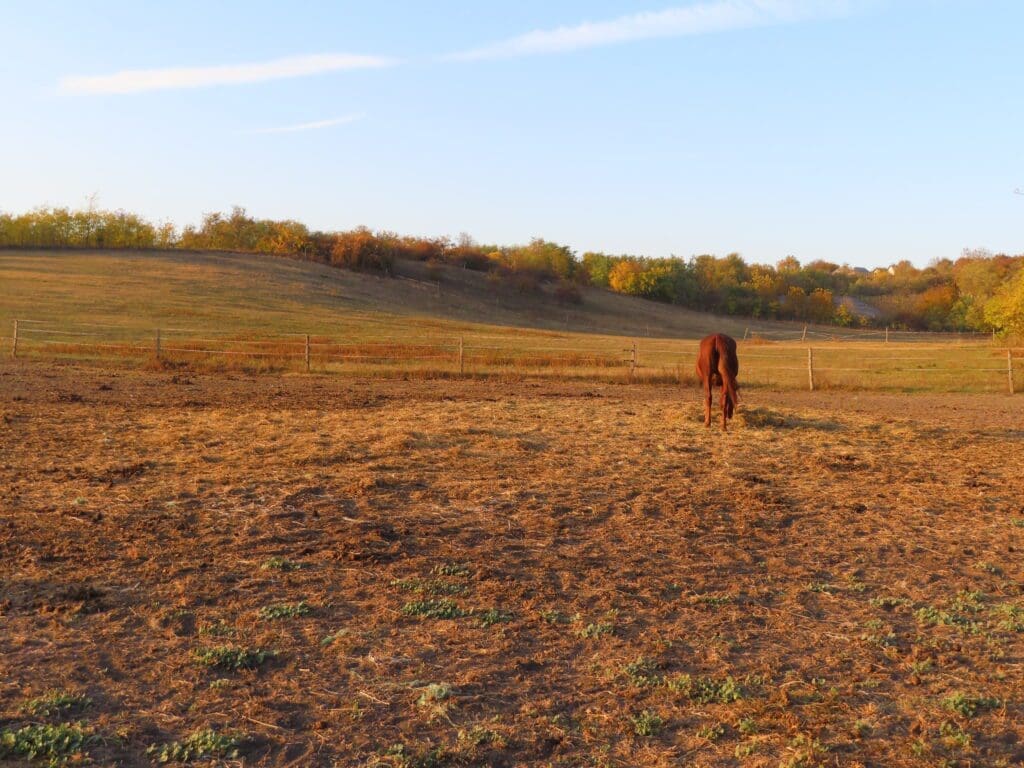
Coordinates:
(846, 269)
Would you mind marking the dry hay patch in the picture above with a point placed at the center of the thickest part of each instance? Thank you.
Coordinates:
(763, 417)
(623, 585)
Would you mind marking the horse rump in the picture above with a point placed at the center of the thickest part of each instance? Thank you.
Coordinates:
(718, 366)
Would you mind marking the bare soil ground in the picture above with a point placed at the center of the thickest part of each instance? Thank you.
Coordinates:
(510, 573)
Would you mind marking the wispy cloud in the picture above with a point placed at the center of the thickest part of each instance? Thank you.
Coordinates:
(695, 19)
(312, 126)
(143, 80)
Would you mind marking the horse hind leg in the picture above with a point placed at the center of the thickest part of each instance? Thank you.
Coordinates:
(707, 402)
(726, 408)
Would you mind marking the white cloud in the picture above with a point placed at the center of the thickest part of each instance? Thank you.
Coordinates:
(696, 19)
(143, 80)
(312, 126)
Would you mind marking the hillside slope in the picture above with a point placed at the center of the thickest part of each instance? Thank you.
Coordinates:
(226, 291)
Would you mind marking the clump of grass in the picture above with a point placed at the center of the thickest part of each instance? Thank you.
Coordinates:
(434, 609)
(285, 611)
(746, 749)
(55, 703)
(930, 616)
(711, 732)
(969, 706)
(858, 586)
(711, 600)
(747, 726)
(450, 569)
(596, 629)
(278, 563)
(921, 667)
(478, 735)
(954, 735)
(647, 723)
(433, 694)
(493, 616)
(822, 586)
(55, 743)
(968, 602)
(436, 699)
(231, 658)
(988, 567)
(201, 745)
(403, 757)
(220, 629)
(643, 673)
(329, 639)
(428, 586)
(878, 634)
(919, 748)
(860, 729)
(552, 616)
(889, 603)
(706, 690)
(807, 752)
(1013, 617)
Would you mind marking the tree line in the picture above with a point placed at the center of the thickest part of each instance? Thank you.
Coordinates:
(977, 292)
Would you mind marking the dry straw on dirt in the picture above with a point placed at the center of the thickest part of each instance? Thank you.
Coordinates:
(321, 572)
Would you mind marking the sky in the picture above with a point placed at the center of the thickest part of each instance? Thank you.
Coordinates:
(856, 131)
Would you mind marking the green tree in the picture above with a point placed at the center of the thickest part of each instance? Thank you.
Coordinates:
(1005, 310)
(598, 266)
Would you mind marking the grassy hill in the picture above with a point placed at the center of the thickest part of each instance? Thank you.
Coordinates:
(243, 311)
(236, 292)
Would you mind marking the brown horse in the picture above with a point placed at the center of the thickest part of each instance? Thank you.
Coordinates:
(717, 364)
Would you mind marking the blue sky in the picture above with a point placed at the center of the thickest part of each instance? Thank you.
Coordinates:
(864, 131)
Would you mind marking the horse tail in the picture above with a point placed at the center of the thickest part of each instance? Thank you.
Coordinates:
(727, 368)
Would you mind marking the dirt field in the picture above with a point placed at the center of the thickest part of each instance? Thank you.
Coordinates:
(445, 573)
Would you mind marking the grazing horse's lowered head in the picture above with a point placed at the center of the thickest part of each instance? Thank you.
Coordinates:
(717, 365)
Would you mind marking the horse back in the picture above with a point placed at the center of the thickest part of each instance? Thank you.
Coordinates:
(713, 349)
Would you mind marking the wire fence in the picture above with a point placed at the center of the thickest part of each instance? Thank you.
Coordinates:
(804, 358)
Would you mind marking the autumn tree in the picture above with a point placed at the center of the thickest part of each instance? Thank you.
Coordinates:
(1005, 310)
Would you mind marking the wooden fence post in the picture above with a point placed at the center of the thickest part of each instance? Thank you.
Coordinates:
(462, 357)
(810, 368)
(157, 343)
(14, 346)
(803, 338)
(1009, 368)
(307, 353)
(745, 332)
(887, 334)
(633, 362)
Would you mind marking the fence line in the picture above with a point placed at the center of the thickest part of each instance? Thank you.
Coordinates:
(839, 334)
(651, 357)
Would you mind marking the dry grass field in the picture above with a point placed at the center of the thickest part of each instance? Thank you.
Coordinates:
(343, 571)
(246, 292)
(245, 313)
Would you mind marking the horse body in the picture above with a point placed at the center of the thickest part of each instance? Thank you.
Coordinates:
(717, 365)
